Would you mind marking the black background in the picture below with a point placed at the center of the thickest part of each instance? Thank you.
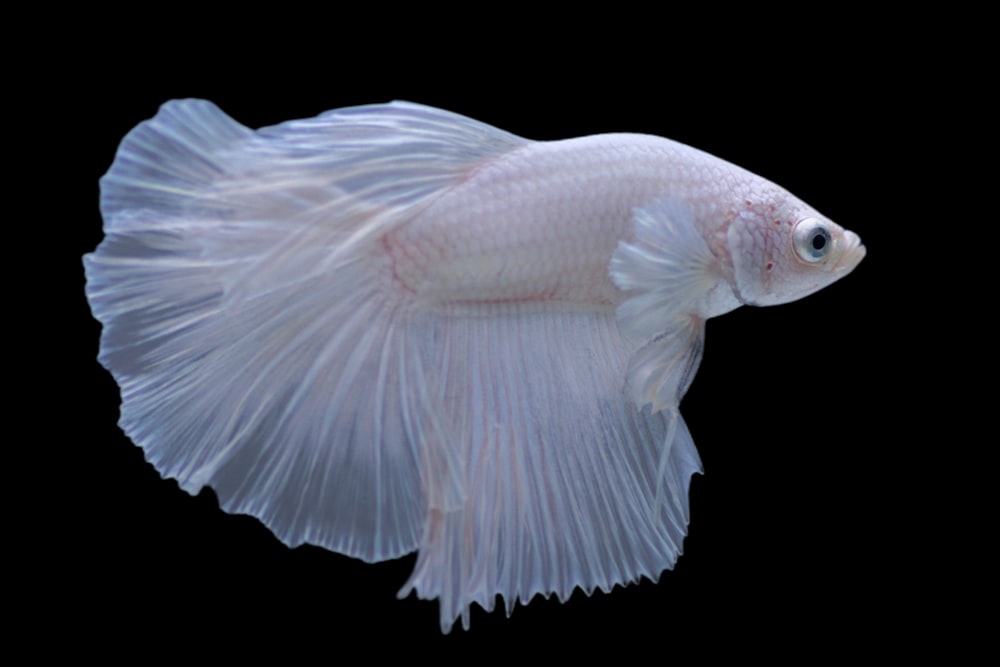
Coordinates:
(807, 528)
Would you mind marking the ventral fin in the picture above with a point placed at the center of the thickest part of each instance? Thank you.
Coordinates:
(661, 371)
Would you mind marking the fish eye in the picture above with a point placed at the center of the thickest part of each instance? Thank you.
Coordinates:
(812, 240)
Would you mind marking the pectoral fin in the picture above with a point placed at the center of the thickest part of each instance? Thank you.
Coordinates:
(667, 270)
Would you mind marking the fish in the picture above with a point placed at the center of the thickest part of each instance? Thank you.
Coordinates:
(392, 328)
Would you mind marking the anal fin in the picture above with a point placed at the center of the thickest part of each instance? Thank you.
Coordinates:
(562, 471)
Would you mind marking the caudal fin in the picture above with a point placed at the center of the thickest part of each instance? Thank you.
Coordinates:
(244, 319)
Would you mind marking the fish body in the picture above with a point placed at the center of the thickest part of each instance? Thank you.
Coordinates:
(393, 328)
(541, 223)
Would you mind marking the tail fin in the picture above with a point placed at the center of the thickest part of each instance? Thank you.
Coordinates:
(248, 326)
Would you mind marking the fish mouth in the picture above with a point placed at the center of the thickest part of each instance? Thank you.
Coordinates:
(854, 251)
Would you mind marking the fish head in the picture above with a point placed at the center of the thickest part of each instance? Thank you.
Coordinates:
(782, 250)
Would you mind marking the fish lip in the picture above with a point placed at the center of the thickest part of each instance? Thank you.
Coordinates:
(853, 253)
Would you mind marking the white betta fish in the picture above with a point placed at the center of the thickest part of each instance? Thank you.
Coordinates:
(393, 328)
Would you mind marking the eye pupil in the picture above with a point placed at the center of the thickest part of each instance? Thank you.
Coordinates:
(818, 242)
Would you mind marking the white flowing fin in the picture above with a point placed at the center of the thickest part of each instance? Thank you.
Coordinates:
(667, 271)
(561, 468)
(257, 348)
